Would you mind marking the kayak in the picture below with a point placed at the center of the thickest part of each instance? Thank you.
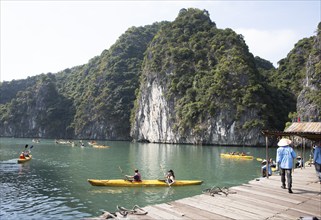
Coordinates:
(237, 156)
(99, 146)
(22, 160)
(121, 182)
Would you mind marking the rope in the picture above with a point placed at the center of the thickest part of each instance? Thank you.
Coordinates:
(136, 210)
(217, 190)
(108, 215)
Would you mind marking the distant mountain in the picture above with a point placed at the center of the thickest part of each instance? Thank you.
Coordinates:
(92, 101)
(184, 81)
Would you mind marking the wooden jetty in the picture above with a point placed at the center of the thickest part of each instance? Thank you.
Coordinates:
(262, 198)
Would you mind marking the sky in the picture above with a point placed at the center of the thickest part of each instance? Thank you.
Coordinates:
(49, 36)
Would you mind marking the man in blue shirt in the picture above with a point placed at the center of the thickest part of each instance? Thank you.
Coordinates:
(284, 159)
(317, 159)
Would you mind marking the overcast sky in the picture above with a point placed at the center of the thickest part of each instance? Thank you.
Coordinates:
(50, 36)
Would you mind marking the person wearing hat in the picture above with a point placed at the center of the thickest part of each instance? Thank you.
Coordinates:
(317, 159)
(284, 159)
(170, 177)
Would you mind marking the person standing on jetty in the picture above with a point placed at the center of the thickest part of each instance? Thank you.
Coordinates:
(317, 159)
(284, 159)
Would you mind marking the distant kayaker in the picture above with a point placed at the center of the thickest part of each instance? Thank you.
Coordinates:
(170, 177)
(137, 176)
(284, 159)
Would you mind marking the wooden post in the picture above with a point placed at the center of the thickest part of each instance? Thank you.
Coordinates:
(293, 159)
(303, 155)
(267, 157)
(310, 155)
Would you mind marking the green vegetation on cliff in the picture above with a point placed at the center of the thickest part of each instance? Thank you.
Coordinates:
(38, 109)
(207, 72)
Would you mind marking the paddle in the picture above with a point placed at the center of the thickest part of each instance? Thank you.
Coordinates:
(30, 149)
(164, 174)
(126, 178)
(163, 170)
(259, 159)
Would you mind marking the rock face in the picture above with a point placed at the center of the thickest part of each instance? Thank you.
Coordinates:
(173, 113)
(155, 122)
(39, 111)
(309, 99)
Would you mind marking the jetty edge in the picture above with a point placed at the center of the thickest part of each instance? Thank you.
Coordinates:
(261, 198)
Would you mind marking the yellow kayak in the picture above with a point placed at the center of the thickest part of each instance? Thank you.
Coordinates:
(237, 156)
(121, 182)
(25, 159)
(100, 146)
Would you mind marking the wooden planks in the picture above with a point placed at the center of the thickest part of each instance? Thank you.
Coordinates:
(259, 199)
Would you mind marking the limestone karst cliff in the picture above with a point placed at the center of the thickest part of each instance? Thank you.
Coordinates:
(185, 81)
(309, 99)
(202, 87)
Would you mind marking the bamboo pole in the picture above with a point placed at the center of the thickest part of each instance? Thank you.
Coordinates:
(267, 157)
(303, 155)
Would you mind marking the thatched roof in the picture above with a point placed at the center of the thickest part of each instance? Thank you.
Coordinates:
(308, 130)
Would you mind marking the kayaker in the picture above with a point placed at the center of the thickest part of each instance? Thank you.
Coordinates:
(26, 153)
(137, 176)
(22, 155)
(170, 177)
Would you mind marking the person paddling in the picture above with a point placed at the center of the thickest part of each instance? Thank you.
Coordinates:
(24, 153)
(170, 177)
(137, 176)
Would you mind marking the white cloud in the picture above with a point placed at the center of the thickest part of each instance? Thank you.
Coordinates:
(272, 45)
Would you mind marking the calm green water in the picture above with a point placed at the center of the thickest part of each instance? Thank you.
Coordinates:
(54, 183)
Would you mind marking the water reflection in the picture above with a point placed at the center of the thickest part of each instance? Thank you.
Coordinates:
(106, 190)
